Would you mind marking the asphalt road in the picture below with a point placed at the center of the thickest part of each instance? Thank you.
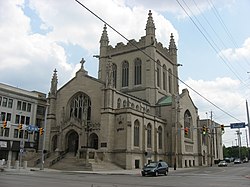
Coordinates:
(231, 176)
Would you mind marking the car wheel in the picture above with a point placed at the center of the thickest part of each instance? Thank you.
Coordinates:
(166, 173)
(156, 173)
(143, 174)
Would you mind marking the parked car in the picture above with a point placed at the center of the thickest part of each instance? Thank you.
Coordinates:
(222, 163)
(155, 168)
(245, 160)
(237, 161)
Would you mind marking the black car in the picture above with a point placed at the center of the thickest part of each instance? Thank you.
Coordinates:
(155, 168)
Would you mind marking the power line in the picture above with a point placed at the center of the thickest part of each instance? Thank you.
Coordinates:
(155, 60)
(209, 42)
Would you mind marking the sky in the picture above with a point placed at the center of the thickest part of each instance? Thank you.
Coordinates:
(212, 37)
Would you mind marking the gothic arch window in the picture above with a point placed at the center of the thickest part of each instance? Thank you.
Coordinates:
(137, 107)
(114, 68)
(80, 106)
(132, 105)
(149, 135)
(188, 123)
(125, 73)
(170, 80)
(124, 104)
(136, 133)
(119, 103)
(160, 137)
(164, 77)
(137, 71)
(158, 73)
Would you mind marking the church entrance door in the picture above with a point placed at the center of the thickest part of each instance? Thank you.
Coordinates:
(73, 141)
(93, 141)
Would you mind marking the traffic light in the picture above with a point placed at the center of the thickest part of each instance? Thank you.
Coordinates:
(222, 128)
(186, 130)
(204, 130)
(20, 127)
(41, 131)
(4, 124)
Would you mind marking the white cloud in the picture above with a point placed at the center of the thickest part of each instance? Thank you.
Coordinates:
(238, 53)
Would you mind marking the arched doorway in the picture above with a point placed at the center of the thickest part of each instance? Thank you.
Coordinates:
(93, 141)
(72, 141)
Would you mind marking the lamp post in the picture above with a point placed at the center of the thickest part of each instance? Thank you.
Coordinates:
(44, 136)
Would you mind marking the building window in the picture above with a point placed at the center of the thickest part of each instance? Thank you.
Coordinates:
(21, 134)
(1, 131)
(19, 104)
(16, 133)
(160, 137)
(27, 121)
(4, 102)
(137, 71)
(80, 107)
(40, 110)
(3, 114)
(29, 107)
(187, 123)
(114, 67)
(119, 103)
(124, 104)
(158, 73)
(149, 136)
(10, 103)
(26, 134)
(17, 119)
(136, 133)
(6, 132)
(125, 73)
(170, 81)
(8, 117)
(24, 106)
(164, 77)
(0, 100)
(22, 120)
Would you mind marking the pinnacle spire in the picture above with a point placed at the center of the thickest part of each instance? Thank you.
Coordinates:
(104, 38)
(150, 26)
(53, 88)
(172, 42)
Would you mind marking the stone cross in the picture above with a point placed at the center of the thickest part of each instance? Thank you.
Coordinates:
(82, 62)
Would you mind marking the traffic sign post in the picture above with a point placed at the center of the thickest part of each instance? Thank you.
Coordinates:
(237, 125)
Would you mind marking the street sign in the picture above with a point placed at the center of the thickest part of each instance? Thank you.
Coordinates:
(237, 125)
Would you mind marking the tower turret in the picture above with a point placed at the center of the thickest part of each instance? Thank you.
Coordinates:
(150, 30)
(104, 42)
(173, 48)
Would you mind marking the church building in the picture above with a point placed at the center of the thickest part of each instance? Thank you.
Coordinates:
(131, 114)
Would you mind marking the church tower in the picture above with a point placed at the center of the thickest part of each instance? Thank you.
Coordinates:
(51, 113)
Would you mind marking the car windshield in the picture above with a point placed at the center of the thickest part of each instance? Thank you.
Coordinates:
(151, 165)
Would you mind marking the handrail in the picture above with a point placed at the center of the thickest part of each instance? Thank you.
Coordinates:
(60, 157)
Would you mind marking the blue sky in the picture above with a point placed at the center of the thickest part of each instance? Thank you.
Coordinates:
(39, 36)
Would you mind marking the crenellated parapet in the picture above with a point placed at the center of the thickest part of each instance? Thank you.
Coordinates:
(131, 45)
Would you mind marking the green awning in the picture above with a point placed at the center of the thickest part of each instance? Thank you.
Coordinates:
(166, 100)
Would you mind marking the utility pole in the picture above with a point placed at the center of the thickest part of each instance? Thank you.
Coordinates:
(248, 121)
(239, 141)
(177, 104)
(246, 137)
(211, 137)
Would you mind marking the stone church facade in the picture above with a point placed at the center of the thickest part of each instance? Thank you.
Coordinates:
(132, 113)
